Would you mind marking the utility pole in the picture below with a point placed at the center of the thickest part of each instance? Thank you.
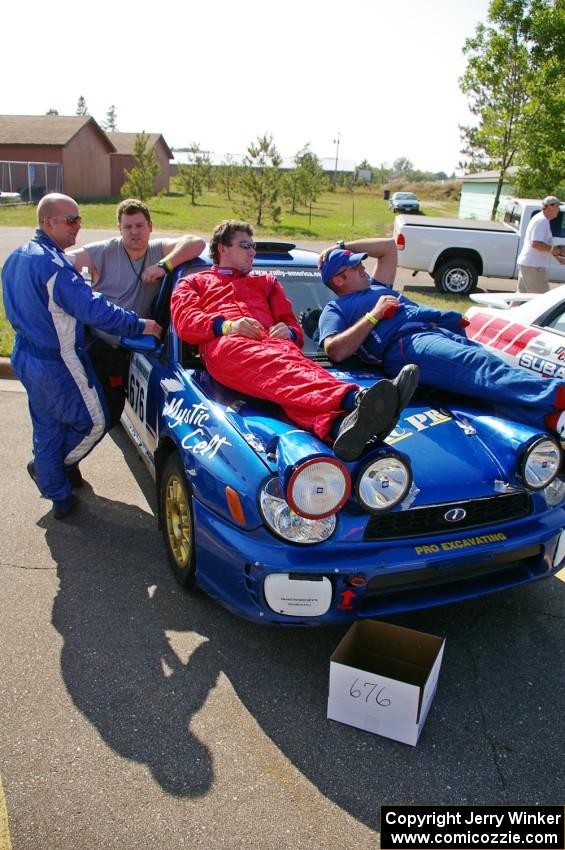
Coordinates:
(336, 143)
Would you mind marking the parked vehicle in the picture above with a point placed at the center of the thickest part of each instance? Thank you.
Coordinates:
(404, 202)
(456, 251)
(530, 334)
(263, 517)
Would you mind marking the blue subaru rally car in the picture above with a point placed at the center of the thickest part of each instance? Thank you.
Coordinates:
(263, 517)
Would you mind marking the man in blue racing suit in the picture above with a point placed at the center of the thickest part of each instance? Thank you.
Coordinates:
(48, 304)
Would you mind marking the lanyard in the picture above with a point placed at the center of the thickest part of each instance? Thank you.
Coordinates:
(136, 273)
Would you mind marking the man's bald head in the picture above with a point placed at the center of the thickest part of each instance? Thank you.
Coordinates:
(49, 205)
(58, 217)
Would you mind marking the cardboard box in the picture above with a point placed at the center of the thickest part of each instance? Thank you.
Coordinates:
(383, 679)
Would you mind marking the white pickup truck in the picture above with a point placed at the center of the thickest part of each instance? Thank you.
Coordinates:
(456, 251)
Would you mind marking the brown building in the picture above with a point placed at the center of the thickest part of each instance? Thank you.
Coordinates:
(123, 159)
(77, 143)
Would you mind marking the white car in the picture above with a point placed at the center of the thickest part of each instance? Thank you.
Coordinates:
(404, 202)
(530, 334)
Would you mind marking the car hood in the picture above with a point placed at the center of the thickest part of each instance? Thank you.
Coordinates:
(456, 452)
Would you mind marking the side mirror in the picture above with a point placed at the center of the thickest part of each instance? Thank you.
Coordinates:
(143, 344)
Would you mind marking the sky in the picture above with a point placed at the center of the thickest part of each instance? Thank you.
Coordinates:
(381, 76)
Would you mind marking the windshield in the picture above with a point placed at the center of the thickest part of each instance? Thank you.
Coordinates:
(308, 295)
(405, 196)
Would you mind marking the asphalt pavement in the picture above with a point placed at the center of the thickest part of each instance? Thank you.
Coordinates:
(134, 715)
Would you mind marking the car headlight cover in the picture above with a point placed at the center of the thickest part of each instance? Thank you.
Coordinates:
(555, 492)
(286, 523)
(318, 488)
(540, 463)
(383, 483)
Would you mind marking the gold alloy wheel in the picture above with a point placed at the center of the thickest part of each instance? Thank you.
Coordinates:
(179, 526)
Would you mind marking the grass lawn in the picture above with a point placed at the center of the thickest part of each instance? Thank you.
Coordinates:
(340, 214)
(336, 214)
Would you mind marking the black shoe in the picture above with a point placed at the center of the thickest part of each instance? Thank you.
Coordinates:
(63, 507)
(75, 477)
(375, 412)
(31, 469)
(406, 383)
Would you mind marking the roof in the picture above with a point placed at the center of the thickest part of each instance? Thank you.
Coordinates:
(55, 130)
(490, 176)
(125, 142)
(327, 163)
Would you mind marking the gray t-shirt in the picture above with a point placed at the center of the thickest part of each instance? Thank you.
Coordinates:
(119, 277)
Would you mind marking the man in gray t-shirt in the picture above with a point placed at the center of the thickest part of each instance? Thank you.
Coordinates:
(127, 270)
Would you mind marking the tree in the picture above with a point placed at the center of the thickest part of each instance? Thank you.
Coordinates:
(382, 173)
(402, 167)
(541, 151)
(313, 179)
(503, 66)
(139, 179)
(304, 182)
(110, 123)
(82, 108)
(227, 175)
(193, 175)
(260, 182)
(52, 112)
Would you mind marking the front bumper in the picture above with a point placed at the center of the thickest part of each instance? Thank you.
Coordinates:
(372, 579)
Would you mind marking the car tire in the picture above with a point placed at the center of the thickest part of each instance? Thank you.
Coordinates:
(456, 277)
(177, 522)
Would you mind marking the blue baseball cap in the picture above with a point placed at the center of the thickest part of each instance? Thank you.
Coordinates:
(339, 259)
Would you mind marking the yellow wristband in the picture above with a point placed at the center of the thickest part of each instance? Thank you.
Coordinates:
(167, 264)
(371, 319)
(226, 327)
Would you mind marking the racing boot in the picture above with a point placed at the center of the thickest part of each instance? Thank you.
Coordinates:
(375, 412)
(75, 477)
(63, 507)
(406, 383)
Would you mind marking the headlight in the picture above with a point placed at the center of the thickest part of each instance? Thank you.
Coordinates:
(318, 488)
(383, 483)
(555, 492)
(281, 519)
(540, 463)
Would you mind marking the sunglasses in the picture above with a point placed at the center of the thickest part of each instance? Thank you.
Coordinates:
(247, 244)
(69, 219)
(344, 271)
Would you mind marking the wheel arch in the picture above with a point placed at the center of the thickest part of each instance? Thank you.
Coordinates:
(165, 448)
(459, 253)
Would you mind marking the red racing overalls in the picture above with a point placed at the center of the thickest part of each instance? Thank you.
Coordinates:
(269, 368)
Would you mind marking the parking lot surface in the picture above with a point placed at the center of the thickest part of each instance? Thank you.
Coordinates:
(134, 715)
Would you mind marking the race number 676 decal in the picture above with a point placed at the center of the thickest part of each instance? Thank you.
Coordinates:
(137, 390)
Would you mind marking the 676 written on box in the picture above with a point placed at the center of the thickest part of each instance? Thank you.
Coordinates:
(383, 679)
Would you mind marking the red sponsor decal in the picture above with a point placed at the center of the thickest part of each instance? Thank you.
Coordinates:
(500, 333)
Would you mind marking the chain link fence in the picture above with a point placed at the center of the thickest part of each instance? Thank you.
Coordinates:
(27, 182)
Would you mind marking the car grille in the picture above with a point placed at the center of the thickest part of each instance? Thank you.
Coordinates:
(431, 585)
(418, 522)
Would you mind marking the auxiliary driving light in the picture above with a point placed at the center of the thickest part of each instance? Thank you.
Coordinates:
(383, 483)
(318, 488)
(540, 463)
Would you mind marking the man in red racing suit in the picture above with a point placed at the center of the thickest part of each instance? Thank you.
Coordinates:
(250, 340)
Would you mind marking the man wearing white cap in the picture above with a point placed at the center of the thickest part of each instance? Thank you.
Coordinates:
(534, 258)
